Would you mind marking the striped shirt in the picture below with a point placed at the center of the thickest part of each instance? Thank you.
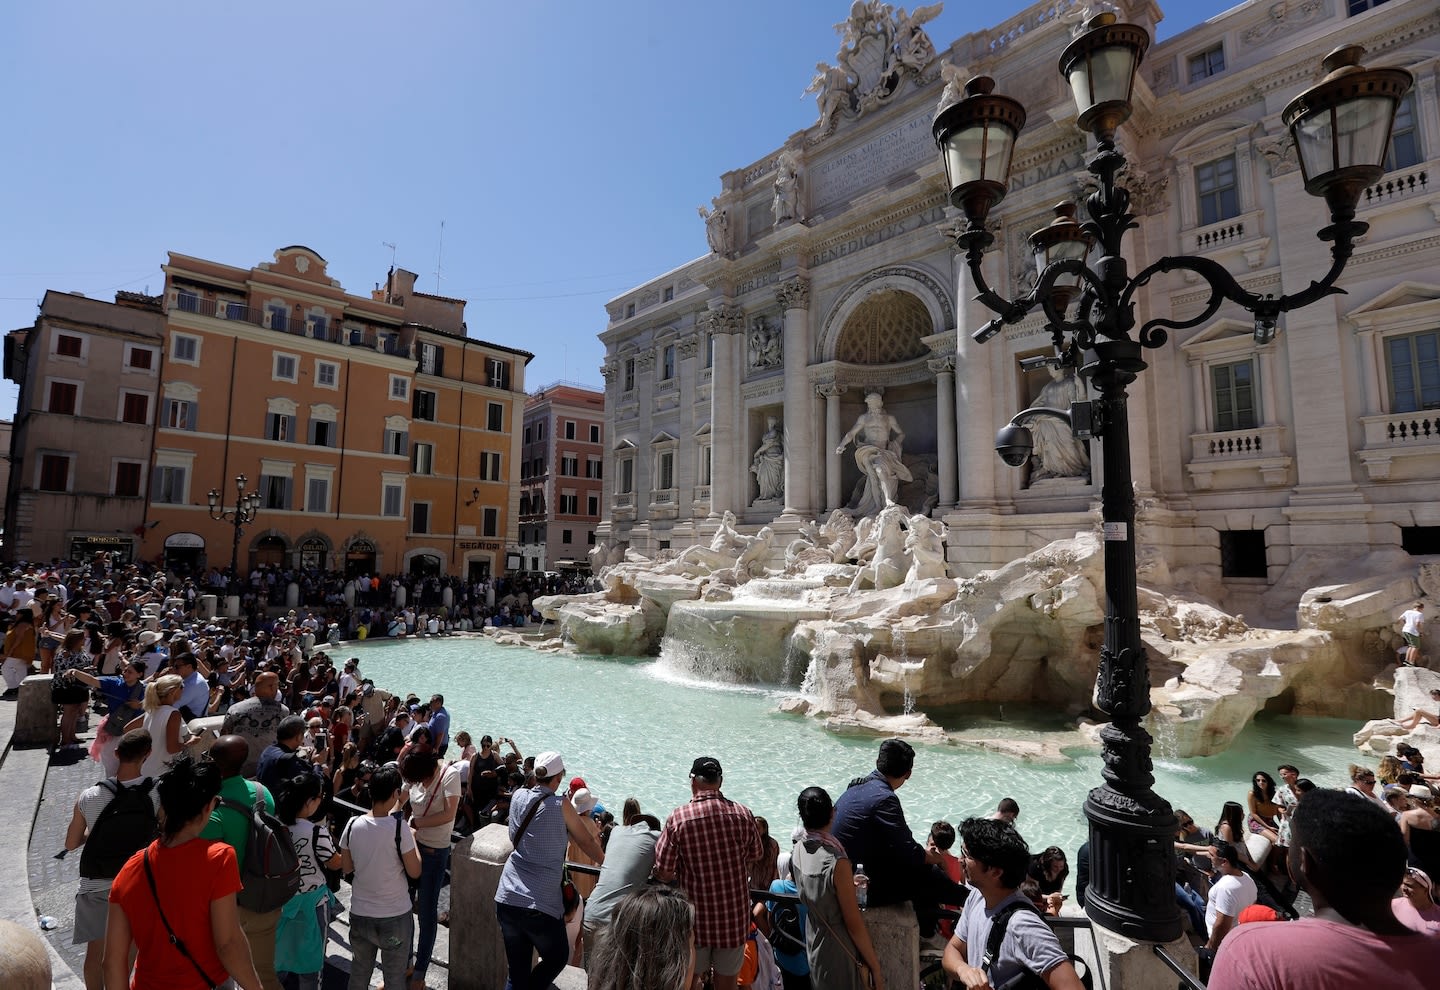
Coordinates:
(708, 845)
(531, 877)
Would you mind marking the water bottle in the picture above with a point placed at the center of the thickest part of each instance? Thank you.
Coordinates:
(862, 886)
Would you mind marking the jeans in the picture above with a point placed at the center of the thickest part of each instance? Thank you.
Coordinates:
(1194, 906)
(525, 929)
(433, 865)
(391, 937)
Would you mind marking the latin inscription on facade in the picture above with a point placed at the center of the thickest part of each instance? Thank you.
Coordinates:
(936, 214)
(901, 149)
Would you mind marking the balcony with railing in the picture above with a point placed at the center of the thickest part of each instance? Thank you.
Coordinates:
(701, 495)
(622, 505)
(1239, 454)
(665, 503)
(1398, 437)
(295, 324)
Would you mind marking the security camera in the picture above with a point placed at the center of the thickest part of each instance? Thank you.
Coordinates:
(1039, 361)
(1014, 444)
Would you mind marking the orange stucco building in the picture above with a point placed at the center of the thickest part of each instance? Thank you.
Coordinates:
(377, 434)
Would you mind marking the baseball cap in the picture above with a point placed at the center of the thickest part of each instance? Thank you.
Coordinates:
(549, 764)
(706, 768)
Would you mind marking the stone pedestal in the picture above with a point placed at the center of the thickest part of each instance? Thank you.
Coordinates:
(399, 596)
(348, 593)
(447, 596)
(232, 606)
(292, 595)
(35, 718)
(24, 963)
(1127, 965)
(896, 938)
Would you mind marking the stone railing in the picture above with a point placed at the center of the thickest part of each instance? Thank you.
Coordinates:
(1397, 436)
(1259, 449)
(701, 493)
(623, 500)
(1393, 187)
(664, 496)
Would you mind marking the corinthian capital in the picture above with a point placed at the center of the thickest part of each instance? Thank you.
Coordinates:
(942, 365)
(794, 293)
(826, 389)
(724, 319)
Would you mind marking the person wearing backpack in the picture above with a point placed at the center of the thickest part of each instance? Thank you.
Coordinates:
(113, 820)
(784, 924)
(232, 822)
(174, 900)
(1000, 936)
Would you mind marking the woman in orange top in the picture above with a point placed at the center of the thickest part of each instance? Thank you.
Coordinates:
(180, 884)
(20, 647)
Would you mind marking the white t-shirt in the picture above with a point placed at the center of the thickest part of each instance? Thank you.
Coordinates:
(1412, 619)
(1229, 895)
(379, 889)
(425, 801)
(91, 802)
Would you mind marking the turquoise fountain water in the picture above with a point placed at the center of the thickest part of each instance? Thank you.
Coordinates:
(631, 727)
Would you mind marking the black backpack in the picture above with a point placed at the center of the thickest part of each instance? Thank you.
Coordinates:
(125, 826)
(787, 933)
(271, 874)
(1025, 979)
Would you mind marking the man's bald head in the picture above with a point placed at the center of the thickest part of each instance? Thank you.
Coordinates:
(229, 754)
(267, 685)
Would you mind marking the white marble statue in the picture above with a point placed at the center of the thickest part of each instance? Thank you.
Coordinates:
(751, 562)
(834, 89)
(889, 562)
(717, 228)
(1057, 453)
(913, 48)
(768, 464)
(877, 455)
(786, 204)
(725, 547)
(767, 344)
(926, 546)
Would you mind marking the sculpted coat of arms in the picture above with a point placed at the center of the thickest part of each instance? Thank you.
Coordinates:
(879, 47)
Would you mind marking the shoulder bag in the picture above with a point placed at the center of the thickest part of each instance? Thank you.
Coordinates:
(174, 939)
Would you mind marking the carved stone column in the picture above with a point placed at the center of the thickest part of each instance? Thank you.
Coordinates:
(725, 321)
(831, 392)
(794, 297)
(944, 368)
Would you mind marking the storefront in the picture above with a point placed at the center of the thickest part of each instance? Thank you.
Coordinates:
(184, 552)
(83, 548)
(359, 558)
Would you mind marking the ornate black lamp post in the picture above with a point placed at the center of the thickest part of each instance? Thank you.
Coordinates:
(242, 515)
(1341, 127)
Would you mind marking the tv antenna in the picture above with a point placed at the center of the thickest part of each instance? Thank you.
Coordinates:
(391, 246)
(439, 256)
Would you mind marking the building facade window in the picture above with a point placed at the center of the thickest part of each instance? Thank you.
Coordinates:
(425, 402)
(1413, 368)
(1404, 137)
(424, 459)
(397, 442)
(565, 536)
(1360, 6)
(594, 432)
(135, 408)
(322, 431)
(703, 472)
(168, 484)
(629, 374)
(69, 345)
(592, 505)
(392, 498)
(627, 475)
(277, 317)
(127, 479)
(490, 521)
(1210, 62)
(400, 388)
(187, 300)
(286, 368)
(327, 374)
(317, 495)
(432, 359)
(184, 349)
(665, 470)
(495, 417)
(274, 491)
(1232, 387)
(569, 465)
(279, 426)
(569, 429)
(180, 414)
(594, 467)
(1218, 190)
(667, 363)
(63, 399)
(569, 504)
(139, 358)
(489, 465)
(54, 473)
(497, 373)
(419, 517)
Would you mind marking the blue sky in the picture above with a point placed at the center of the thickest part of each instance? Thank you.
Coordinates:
(564, 146)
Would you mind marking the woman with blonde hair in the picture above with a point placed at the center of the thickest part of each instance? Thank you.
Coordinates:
(162, 720)
(649, 943)
(1389, 770)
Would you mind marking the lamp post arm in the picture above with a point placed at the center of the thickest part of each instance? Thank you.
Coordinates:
(1011, 311)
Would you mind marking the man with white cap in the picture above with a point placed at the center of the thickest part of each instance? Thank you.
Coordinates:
(528, 902)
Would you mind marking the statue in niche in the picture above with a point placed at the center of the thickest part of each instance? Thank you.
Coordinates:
(767, 344)
(877, 454)
(787, 188)
(717, 228)
(768, 464)
(1057, 454)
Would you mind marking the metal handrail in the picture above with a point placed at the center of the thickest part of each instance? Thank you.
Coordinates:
(1186, 977)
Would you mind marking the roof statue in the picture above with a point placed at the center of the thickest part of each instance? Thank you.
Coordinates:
(879, 47)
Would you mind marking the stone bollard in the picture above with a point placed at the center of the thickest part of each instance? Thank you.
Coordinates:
(24, 963)
(208, 606)
(896, 937)
(399, 596)
(35, 719)
(232, 606)
(477, 952)
(447, 596)
(292, 595)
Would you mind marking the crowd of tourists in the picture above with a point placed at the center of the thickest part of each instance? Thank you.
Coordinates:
(315, 777)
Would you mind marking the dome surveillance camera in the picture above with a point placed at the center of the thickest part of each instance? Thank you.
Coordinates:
(1013, 444)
